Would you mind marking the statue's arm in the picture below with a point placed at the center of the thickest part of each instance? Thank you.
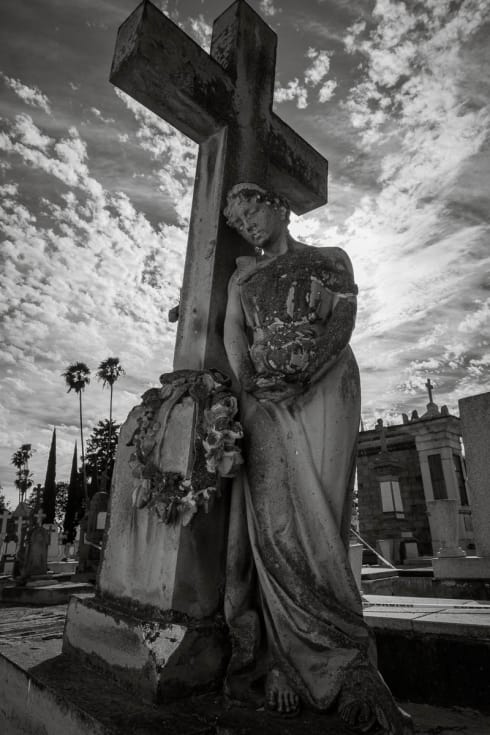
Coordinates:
(337, 330)
(235, 338)
(335, 336)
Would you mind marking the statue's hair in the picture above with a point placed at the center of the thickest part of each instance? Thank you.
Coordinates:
(248, 192)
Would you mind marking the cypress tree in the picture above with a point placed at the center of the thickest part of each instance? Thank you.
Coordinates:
(49, 493)
(75, 500)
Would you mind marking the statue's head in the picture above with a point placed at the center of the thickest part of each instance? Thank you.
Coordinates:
(257, 214)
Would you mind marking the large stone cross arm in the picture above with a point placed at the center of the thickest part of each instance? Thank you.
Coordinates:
(163, 68)
(200, 94)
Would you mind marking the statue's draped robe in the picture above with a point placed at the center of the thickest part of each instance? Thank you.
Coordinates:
(291, 599)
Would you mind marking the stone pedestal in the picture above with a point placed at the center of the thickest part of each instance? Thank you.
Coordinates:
(155, 622)
(444, 525)
(157, 660)
(463, 567)
(355, 559)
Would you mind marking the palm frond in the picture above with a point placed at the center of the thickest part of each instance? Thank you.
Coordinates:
(77, 376)
(109, 371)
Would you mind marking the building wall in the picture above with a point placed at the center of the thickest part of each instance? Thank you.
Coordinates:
(376, 524)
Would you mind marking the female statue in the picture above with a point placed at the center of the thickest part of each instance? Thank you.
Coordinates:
(291, 602)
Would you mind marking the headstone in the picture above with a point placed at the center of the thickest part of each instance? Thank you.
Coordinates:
(475, 424)
(85, 551)
(4, 516)
(36, 556)
(223, 101)
(22, 519)
(97, 516)
(54, 542)
(444, 527)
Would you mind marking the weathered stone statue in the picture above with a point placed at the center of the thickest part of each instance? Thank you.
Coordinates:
(291, 602)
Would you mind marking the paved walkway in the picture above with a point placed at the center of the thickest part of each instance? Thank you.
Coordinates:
(29, 636)
(468, 618)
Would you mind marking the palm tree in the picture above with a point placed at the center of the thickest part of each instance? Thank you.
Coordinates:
(20, 460)
(109, 371)
(77, 377)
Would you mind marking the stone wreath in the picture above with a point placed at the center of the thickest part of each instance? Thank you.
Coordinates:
(215, 445)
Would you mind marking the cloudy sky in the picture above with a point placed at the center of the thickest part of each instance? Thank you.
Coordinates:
(95, 197)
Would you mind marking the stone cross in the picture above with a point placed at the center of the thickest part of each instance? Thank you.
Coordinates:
(429, 387)
(223, 101)
(4, 516)
(39, 516)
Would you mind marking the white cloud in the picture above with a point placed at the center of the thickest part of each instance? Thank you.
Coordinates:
(174, 153)
(293, 91)
(314, 75)
(268, 8)
(319, 67)
(30, 95)
(477, 320)
(327, 91)
(201, 31)
(97, 113)
(420, 113)
(86, 277)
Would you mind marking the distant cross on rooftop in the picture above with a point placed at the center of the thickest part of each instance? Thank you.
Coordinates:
(382, 435)
(429, 387)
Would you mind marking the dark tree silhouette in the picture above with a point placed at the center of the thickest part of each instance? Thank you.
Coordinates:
(109, 371)
(23, 480)
(101, 453)
(74, 501)
(49, 492)
(77, 376)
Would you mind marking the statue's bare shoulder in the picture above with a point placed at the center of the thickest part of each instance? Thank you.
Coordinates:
(337, 258)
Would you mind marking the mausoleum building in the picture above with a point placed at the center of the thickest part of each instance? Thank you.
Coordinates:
(402, 468)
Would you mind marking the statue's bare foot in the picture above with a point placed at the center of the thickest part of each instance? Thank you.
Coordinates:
(362, 716)
(280, 697)
(358, 714)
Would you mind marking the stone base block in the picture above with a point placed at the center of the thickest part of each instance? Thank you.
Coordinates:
(462, 567)
(161, 661)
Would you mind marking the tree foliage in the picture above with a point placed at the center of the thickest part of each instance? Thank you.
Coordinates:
(74, 509)
(23, 479)
(50, 486)
(101, 452)
(109, 371)
(77, 376)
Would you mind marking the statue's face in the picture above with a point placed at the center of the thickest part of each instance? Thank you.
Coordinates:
(258, 223)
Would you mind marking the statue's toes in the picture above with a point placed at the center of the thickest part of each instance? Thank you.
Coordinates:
(272, 700)
(348, 713)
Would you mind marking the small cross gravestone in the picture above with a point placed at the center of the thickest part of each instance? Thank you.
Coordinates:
(223, 101)
(36, 555)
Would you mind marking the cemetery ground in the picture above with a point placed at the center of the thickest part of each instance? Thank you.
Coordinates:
(51, 690)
